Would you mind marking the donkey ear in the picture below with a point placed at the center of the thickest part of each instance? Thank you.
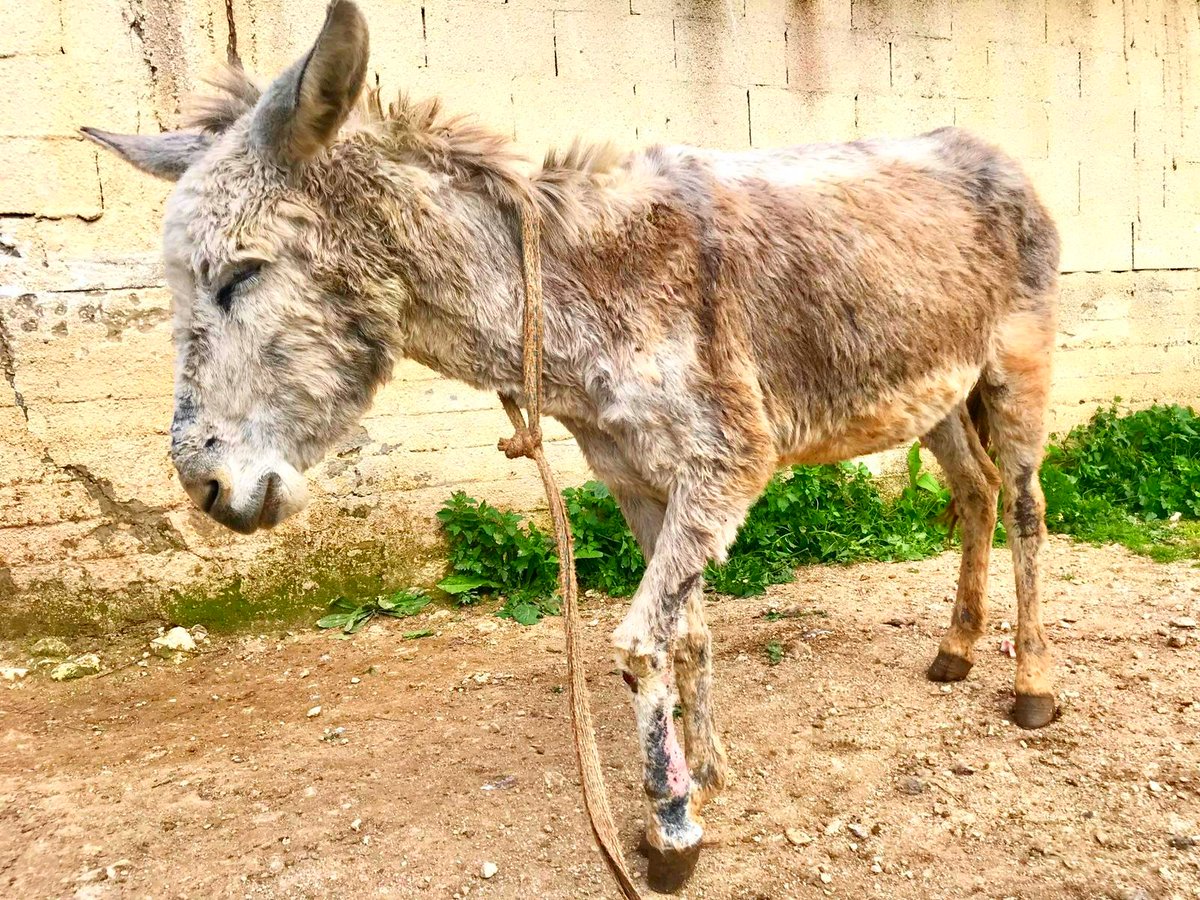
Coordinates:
(300, 113)
(164, 155)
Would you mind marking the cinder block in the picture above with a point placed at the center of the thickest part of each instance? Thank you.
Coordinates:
(780, 118)
(980, 22)
(1095, 245)
(738, 51)
(1182, 185)
(613, 45)
(926, 67)
(837, 61)
(77, 347)
(49, 177)
(1020, 72)
(1108, 186)
(1085, 23)
(553, 112)
(492, 42)
(880, 116)
(1022, 129)
(1170, 239)
(680, 112)
(928, 18)
(811, 15)
(34, 27)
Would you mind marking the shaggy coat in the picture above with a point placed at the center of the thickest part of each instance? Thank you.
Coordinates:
(710, 316)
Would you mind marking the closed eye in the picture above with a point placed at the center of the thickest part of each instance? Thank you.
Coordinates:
(226, 292)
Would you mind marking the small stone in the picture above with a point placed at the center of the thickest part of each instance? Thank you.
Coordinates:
(314, 712)
(1183, 622)
(356, 680)
(962, 769)
(1155, 787)
(488, 870)
(1183, 841)
(912, 785)
(13, 673)
(356, 825)
(487, 626)
(77, 667)
(833, 827)
(826, 878)
(51, 647)
(175, 642)
(859, 831)
(199, 634)
(1177, 641)
(797, 838)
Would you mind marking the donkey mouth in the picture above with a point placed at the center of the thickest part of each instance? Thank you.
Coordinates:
(263, 508)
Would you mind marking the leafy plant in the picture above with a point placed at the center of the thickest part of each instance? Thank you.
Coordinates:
(1126, 479)
(497, 552)
(607, 557)
(350, 616)
(774, 651)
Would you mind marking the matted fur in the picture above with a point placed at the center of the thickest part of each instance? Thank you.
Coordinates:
(709, 316)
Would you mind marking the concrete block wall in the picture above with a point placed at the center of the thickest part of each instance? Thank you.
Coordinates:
(1098, 98)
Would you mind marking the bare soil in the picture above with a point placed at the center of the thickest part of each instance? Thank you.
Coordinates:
(210, 779)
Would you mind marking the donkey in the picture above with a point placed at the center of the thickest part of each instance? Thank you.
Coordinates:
(710, 316)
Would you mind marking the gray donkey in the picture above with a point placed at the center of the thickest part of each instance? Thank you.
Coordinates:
(710, 316)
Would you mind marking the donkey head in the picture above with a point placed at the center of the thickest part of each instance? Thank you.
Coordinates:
(278, 346)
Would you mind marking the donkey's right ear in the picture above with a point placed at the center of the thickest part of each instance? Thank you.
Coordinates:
(300, 113)
(164, 155)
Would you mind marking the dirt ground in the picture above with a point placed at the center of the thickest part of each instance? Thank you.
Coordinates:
(210, 778)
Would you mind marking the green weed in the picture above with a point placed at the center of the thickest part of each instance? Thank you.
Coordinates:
(774, 651)
(350, 616)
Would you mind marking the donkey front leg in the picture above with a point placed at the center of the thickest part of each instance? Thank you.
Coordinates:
(693, 678)
(645, 644)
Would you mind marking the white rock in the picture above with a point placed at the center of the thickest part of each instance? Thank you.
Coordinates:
(1183, 622)
(76, 667)
(833, 827)
(489, 869)
(797, 838)
(314, 712)
(13, 673)
(177, 640)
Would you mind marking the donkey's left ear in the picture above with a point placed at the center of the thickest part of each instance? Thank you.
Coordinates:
(300, 113)
(164, 155)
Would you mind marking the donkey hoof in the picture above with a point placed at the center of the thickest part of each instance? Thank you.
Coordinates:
(1033, 710)
(948, 667)
(669, 870)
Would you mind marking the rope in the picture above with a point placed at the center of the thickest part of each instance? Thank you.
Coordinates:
(527, 441)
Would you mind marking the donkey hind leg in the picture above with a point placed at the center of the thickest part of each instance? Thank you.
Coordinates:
(693, 676)
(693, 659)
(644, 642)
(1016, 394)
(975, 484)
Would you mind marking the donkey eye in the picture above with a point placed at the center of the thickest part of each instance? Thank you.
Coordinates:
(240, 277)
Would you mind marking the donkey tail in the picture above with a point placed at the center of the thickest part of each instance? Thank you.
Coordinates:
(977, 413)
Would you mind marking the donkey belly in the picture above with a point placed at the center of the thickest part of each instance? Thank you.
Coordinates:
(868, 424)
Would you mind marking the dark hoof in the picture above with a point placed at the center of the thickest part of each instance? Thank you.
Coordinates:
(946, 667)
(1033, 710)
(669, 871)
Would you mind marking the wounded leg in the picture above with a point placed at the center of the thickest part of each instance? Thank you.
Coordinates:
(645, 644)
(975, 484)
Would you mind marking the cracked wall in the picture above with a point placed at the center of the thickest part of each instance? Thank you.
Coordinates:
(1098, 98)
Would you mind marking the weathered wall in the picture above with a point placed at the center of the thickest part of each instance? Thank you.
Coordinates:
(1098, 98)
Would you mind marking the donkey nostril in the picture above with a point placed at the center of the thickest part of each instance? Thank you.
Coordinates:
(214, 491)
(210, 443)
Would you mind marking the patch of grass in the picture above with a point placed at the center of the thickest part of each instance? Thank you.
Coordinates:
(774, 651)
(607, 557)
(1128, 478)
(350, 616)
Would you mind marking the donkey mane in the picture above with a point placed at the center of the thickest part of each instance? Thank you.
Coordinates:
(458, 146)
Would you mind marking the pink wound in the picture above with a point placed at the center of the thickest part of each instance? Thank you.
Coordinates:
(678, 779)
